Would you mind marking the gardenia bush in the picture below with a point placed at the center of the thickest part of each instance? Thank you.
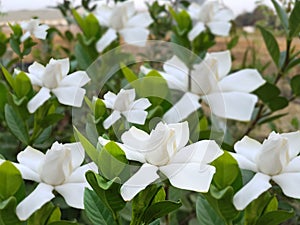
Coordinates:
(135, 119)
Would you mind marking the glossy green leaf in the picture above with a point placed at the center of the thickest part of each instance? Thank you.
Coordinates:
(99, 109)
(295, 85)
(278, 103)
(294, 20)
(282, 16)
(9, 78)
(62, 222)
(183, 20)
(8, 212)
(128, 73)
(233, 42)
(11, 180)
(160, 209)
(96, 211)
(267, 92)
(275, 217)
(45, 215)
(88, 147)
(206, 215)
(22, 85)
(3, 98)
(271, 44)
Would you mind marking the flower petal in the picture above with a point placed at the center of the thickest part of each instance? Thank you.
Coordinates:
(77, 153)
(39, 99)
(140, 20)
(135, 36)
(31, 158)
(73, 193)
(246, 80)
(25, 36)
(188, 104)
(200, 152)
(244, 163)
(248, 147)
(182, 133)
(220, 28)
(142, 104)
(76, 79)
(106, 39)
(135, 138)
(293, 166)
(41, 32)
(72, 96)
(197, 29)
(64, 65)
(27, 173)
(293, 140)
(139, 181)
(136, 116)
(109, 121)
(35, 200)
(232, 105)
(109, 99)
(176, 69)
(78, 175)
(223, 62)
(224, 14)
(189, 176)
(37, 70)
(251, 191)
(289, 183)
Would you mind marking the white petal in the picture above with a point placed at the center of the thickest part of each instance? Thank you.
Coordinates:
(103, 13)
(182, 133)
(78, 175)
(27, 173)
(200, 152)
(109, 121)
(40, 196)
(142, 103)
(224, 14)
(31, 158)
(140, 20)
(72, 96)
(64, 65)
(294, 141)
(36, 69)
(41, 32)
(135, 138)
(248, 147)
(135, 36)
(244, 163)
(223, 62)
(77, 153)
(139, 181)
(251, 191)
(232, 105)
(106, 39)
(289, 183)
(197, 29)
(246, 80)
(124, 99)
(77, 79)
(194, 10)
(109, 99)
(219, 28)
(293, 166)
(136, 116)
(189, 176)
(25, 36)
(39, 99)
(73, 193)
(188, 104)
(176, 69)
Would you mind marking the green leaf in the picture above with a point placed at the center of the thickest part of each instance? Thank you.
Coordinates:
(278, 103)
(275, 217)
(88, 147)
(227, 170)
(9, 78)
(62, 222)
(282, 16)
(128, 73)
(15, 45)
(11, 180)
(112, 160)
(294, 20)
(16, 124)
(22, 85)
(8, 212)
(3, 98)
(271, 118)
(51, 119)
(206, 215)
(183, 20)
(233, 42)
(295, 85)
(271, 44)
(99, 109)
(267, 92)
(160, 209)
(45, 215)
(96, 211)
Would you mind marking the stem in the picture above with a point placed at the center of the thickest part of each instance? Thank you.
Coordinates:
(167, 217)
(189, 80)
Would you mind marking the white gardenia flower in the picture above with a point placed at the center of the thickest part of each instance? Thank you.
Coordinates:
(123, 18)
(212, 14)
(275, 159)
(228, 96)
(33, 28)
(124, 104)
(53, 78)
(165, 150)
(59, 169)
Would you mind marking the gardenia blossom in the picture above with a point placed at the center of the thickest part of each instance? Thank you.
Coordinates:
(211, 14)
(275, 159)
(122, 18)
(53, 78)
(59, 169)
(165, 150)
(33, 28)
(228, 96)
(123, 104)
